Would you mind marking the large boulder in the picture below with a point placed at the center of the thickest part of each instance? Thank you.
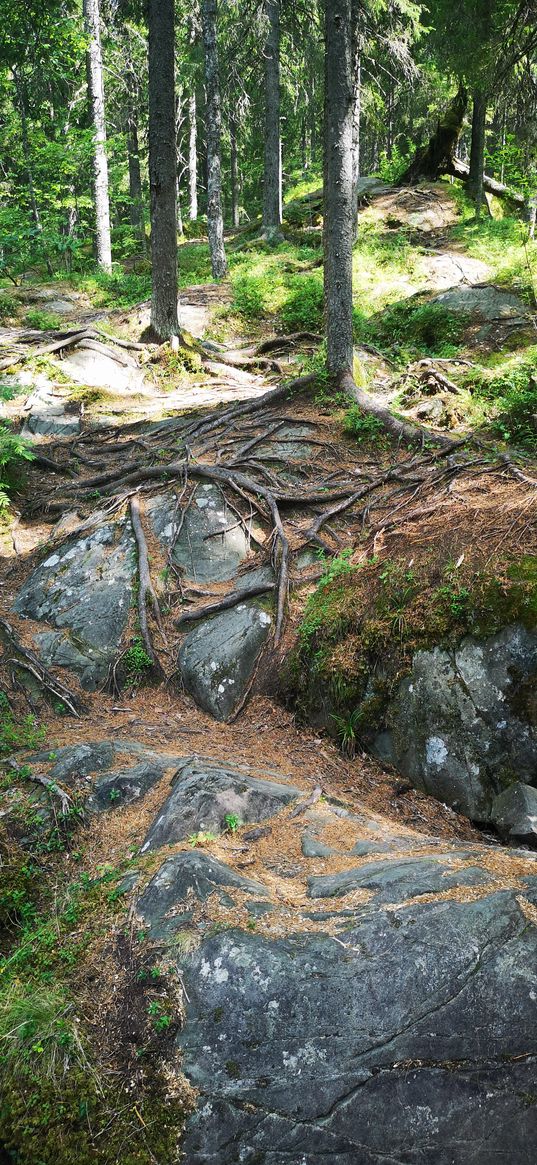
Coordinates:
(218, 659)
(212, 542)
(166, 903)
(84, 589)
(410, 1038)
(204, 794)
(484, 303)
(461, 726)
(514, 813)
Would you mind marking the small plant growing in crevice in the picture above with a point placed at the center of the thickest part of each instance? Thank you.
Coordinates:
(136, 662)
(364, 427)
(232, 822)
(346, 728)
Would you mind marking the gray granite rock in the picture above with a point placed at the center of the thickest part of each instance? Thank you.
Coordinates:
(212, 542)
(202, 796)
(91, 363)
(485, 303)
(125, 785)
(84, 588)
(410, 1040)
(514, 813)
(461, 725)
(184, 877)
(397, 879)
(218, 658)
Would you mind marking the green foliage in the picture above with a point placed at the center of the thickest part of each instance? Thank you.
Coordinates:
(303, 308)
(14, 451)
(8, 306)
(33, 1024)
(346, 728)
(118, 289)
(320, 602)
(364, 427)
(201, 837)
(508, 396)
(232, 822)
(391, 168)
(46, 321)
(136, 662)
(250, 298)
(425, 327)
(15, 735)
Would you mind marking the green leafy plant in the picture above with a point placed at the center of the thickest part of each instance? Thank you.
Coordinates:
(201, 837)
(232, 822)
(14, 451)
(45, 321)
(8, 306)
(14, 735)
(303, 308)
(137, 662)
(364, 427)
(346, 728)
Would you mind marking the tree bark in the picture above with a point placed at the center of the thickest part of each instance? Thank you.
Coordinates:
(192, 158)
(356, 118)
(136, 210)
(162, 169)
(477, 150)
(235, 215)
(100, 161)
(435, 158)
(338, 224)
(215, 221)
(272, 178)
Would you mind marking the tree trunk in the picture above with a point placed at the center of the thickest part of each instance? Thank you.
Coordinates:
(162, 169)
(100, 162)
(235, 215)
(435, 158)
(272, 179)
(356, 116)
(477, 150)
(215, 221)
(338, 193)
(192, 158)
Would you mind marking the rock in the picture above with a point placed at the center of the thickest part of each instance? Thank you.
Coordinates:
(48, 416)
(407, 1040)
(180, 879)
(484, 303)
(205, 793)
(460, 727)
(99, 368)
(212, 542)
(514, 813)
(58, 649)
(85, 588)
(396, 880)
(126, 785)
(218, 658)
(445, 269)
(79, 760)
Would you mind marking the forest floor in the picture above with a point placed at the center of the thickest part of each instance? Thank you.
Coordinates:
(445, 332)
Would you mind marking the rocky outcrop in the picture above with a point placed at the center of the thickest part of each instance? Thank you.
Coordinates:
(514, 813)
(84, 590)
(462, 725)
(204, 794)
(212, 542)
(217, 660)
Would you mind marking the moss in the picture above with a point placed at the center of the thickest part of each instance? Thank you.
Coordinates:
(361, 628)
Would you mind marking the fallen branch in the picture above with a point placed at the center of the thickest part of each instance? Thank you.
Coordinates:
(280, 343)
(145, 592)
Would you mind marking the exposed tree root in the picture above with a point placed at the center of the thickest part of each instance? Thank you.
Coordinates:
(25, 659)
(399, 429)
(47, 783)
(146, 593)
(224, 604)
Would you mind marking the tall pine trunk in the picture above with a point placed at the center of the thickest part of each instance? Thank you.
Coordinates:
(215, 221)
(235, 216)
(162, 169)
(477, 150)
(100, 162)
(356, 141)
(192, 157)
(338, 188)
(272, 181)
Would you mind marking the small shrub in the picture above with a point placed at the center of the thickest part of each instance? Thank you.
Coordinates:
(46, 321)
(14, 735)
(8, 306)
(303, 309)
(232, 822)
(14, 450)
(137, 662)
(250, 296)
(364, 427)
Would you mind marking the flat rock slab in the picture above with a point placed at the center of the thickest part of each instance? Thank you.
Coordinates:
(183, 878)
(461, 725)
(397, 880)
(202, 796)
(212, 543)
(484, 303)
(217, 660)
(97, 368)
(410, 1040)
(83, 588)
(447, 269)
(125, 785)
(47, 416)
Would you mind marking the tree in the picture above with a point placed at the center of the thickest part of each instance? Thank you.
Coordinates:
(100, 161)
(338, 186)
(163, 170)
(272, 178)
(215, 221)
